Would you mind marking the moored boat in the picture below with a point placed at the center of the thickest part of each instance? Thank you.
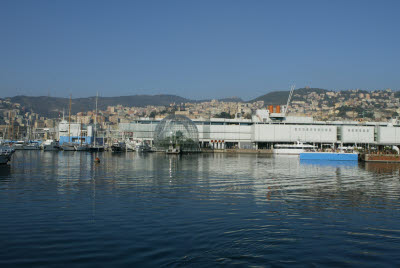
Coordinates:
(50, 145)
(6, 153)
(96, 148)
(118, 147)
(32, 145)
(19, 145)
(143, 147)
(173, 151)
(81, 147)
(296, 148)
(68, 146)
(130, 145)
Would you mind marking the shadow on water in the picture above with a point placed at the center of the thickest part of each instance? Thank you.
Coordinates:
(329, 163)
(5, 172)
(382, 168)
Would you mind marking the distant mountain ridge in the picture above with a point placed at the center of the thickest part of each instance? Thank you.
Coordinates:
(54, 106)
(281, 97)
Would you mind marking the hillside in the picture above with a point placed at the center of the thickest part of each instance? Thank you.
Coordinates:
(53, 106)
(281, 97)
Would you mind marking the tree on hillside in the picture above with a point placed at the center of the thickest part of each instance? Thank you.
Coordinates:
(223, 115)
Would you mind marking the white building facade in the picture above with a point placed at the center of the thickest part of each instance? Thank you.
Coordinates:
(262, 132)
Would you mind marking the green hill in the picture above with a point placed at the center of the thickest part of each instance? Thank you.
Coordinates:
(53, 106)
(281, 97)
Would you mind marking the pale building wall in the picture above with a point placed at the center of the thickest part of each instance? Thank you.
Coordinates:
(293, 133)
(357, 134)
(389, 135)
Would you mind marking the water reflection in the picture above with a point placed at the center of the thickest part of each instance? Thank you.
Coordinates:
(196, 210)
(219, 171)
(329, 163)
(5, 171)
(383, 168)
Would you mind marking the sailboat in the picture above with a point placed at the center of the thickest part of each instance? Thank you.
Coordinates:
(118, 146)
(82, 146)
(50, 145)
(6, 153)
(69, 146)
(95, 147)
(31, 144)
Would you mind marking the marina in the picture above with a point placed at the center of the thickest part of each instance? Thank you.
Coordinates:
(199, 134)
(270, 129)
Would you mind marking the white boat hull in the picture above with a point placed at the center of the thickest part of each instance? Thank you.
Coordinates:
(68, 147)
(32, 147)
(288, 151)
(81, 148)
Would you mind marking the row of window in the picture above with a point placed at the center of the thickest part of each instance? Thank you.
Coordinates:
(313, 129)
(145, 122)
(358, 130)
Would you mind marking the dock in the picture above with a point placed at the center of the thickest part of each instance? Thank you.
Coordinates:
(387, 158)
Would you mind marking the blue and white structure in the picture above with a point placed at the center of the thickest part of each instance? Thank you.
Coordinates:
(75, 133)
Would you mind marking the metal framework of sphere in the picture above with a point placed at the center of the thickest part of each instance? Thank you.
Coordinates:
(177, 131)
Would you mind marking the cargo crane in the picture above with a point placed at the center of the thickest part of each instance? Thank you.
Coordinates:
(279, 114)
(289, 99)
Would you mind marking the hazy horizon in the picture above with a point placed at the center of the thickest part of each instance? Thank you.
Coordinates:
(189, 98)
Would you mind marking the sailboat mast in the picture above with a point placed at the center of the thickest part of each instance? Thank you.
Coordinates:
(28, 131)
(95, 120)
(81, 132)
(12, 128)
(69, 119)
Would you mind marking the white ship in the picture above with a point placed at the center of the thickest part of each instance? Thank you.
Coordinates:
(296, 148)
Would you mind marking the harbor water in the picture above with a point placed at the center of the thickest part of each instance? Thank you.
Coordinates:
(61, 209)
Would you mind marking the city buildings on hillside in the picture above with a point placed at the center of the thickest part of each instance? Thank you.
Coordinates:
(16, 122)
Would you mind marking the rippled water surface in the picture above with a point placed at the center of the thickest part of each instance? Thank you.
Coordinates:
(62, 209)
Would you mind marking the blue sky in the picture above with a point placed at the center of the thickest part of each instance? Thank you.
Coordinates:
(196, 49)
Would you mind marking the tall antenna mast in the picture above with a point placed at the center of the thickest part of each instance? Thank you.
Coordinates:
(289, 98)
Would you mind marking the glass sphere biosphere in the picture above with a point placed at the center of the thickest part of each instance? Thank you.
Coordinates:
(178, 132)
